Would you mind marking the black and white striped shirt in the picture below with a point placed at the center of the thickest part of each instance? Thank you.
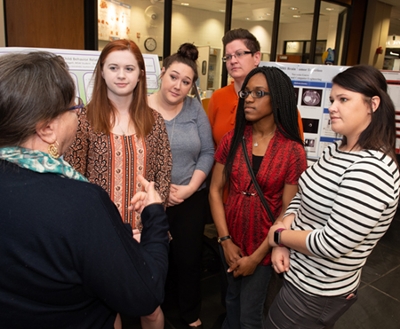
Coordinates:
(348, 200)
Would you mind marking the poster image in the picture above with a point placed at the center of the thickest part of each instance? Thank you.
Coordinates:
(82, 63)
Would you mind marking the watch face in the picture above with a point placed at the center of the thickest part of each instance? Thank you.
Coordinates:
(276, 237)
(150, 44)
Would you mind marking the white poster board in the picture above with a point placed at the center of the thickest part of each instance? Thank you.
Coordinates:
(82, 63)
(393, 80)
(312, 84)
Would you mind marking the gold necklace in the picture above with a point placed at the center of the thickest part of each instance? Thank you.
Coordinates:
(256, 143)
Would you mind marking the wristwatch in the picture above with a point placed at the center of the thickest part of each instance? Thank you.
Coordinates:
(223, 238)
(277, 237)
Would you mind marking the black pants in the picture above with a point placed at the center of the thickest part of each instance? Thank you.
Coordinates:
(187, 222)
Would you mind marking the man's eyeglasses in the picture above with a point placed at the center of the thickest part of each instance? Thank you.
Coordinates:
(238, 54)
(78, 105)
(254, 93)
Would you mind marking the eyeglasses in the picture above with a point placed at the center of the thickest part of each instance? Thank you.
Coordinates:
(78, 105)
(254, 93)
(238, 54)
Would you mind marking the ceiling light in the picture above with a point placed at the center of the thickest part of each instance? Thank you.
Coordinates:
(294, 8)
(184, 4)
(296, 16)
(329, 9)
(222, 10)
(247, 19)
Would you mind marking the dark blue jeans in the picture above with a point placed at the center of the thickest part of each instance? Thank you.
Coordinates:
(245, 299)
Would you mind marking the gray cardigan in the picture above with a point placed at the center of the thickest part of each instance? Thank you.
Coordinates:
(191, 142)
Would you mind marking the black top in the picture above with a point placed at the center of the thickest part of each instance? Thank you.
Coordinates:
(66, 258)
(257, 159)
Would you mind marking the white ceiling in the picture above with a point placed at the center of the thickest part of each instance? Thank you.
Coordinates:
(259, 10)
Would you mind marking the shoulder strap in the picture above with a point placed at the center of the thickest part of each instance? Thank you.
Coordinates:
(253, 178)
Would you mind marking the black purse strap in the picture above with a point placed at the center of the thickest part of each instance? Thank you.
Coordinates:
(253, 178)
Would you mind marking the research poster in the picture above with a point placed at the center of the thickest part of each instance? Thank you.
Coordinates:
(312, 84)
(393, 80)
(82, 63)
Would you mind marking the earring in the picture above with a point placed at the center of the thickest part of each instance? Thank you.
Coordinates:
(53, 150)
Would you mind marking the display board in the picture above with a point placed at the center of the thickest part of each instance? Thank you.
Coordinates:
(393, 80)
(82, 63)
(313, 85)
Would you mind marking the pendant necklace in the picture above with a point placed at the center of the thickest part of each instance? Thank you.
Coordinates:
(256, 143)
(123, 132)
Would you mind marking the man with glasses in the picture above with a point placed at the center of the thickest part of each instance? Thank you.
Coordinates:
(242, 54)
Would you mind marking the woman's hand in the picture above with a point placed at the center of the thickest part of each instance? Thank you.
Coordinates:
(179, 193)
(144, 198)
(243, 266)
(232, 252)
(280, 258)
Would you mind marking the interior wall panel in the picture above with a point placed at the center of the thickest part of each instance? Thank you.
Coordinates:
(45, 23)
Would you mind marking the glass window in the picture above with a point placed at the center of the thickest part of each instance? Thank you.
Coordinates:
(295, 27)
(138, 20)
(257, 18)
(201, 23)
(331, 27)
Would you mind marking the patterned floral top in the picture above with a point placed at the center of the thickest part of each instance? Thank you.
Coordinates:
(114, 162)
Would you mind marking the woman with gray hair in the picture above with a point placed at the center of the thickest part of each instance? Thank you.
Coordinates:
(57, 269)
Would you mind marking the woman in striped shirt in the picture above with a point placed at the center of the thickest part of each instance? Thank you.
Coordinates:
(345, 204)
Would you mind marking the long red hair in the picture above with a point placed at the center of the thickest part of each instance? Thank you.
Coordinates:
(100, 110)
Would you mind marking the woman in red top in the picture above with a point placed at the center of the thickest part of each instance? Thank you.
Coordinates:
(267, 120)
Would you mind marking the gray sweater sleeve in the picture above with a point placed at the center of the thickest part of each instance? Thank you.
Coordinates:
(206, 156)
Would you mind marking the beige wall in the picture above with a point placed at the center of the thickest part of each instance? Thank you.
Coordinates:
(375, 33)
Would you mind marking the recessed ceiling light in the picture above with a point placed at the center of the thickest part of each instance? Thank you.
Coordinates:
(247, 19)
(184, 4)
(294, 8)
(296, 16)
(222, 10)
(329, 9)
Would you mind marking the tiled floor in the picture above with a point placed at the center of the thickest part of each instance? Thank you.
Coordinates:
(378, 304)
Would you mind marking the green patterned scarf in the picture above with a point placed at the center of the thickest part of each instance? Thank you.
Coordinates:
(39, 161)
